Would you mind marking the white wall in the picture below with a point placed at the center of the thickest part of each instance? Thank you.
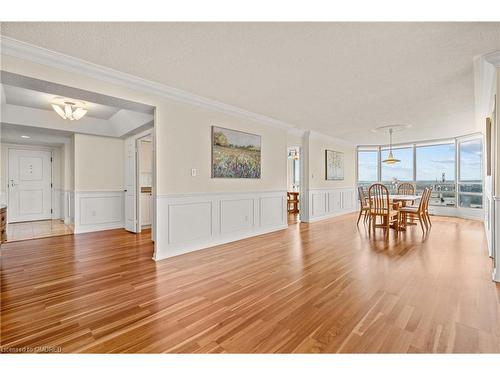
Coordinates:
(327, 198)
(188, 142)
(318, 143)
(98, 183)
(98, 163)
(192, 212)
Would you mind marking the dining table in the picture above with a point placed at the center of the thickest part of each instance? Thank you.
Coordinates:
(401, 200)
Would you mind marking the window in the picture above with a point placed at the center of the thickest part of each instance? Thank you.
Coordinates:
(436, 168)
(367, 167)
(470, 184)
(402, 171)
(453, 168)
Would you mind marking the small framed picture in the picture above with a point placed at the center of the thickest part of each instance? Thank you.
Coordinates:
(334, 165)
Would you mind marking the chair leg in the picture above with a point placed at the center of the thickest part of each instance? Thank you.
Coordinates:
(421, 223)
(425, 221)
(359, 216)
(428, 218)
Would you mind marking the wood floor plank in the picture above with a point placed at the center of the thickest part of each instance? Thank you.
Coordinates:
(325, 287)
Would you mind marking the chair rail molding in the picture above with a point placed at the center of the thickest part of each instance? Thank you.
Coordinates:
(189, 222)
(33, 53)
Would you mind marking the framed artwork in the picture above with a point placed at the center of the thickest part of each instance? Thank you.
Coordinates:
(235, 154)
(334, 165)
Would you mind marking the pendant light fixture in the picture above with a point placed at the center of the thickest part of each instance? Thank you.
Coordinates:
(69, 109)
(390, 158)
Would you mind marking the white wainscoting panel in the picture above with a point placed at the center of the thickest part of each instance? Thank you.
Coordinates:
(332, 202)
(236, 215)
(495, 216)
(188, 222)
(96, 211)
(271, 211)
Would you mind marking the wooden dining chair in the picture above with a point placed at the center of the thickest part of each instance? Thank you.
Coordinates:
(364, 207)
(380, 205)
(426, 207)
(419, 211)
(406, 188)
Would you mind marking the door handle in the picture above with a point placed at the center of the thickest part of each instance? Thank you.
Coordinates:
(12, 184)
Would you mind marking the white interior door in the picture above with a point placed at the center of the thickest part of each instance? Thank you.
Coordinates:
(130, 185)
(29, 183)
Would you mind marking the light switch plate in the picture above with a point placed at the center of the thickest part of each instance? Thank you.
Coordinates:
(193, 172)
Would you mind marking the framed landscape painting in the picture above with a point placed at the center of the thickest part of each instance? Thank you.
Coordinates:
(334, 165)
(235, 154)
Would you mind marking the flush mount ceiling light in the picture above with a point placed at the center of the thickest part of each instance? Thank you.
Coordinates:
(69, 109)
(25, 136)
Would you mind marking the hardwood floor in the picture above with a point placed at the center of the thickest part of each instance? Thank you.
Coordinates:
(322, 287)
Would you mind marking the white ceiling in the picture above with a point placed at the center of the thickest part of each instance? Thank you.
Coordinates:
(341, 79)
(47, 137)
(29, 108)
(41, 100)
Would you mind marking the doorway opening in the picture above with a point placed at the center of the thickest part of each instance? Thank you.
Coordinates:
(33, 175)
(72, 171)
(145, 182)
(293, 184)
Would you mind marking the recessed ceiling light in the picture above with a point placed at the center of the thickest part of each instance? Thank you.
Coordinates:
(25, 136)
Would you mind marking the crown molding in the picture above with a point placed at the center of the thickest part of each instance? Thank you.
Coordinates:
(340, 141)
(30, 52)
(493, 58)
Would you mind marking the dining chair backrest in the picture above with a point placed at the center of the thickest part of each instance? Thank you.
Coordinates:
(406, 188)
(379, 199)
(427, 198)
(362, 196)
(424, 199)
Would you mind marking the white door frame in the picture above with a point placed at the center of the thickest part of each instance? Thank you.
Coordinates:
(149, 133)
(137, 138)
(5, 166)
(301, 183)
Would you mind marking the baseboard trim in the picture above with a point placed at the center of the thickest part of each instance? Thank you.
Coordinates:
(179, 249)
(98, 227)
(329, 216)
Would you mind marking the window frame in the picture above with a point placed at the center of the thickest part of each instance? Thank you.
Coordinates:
(368, 149)
(457, 141)
(461, 182)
